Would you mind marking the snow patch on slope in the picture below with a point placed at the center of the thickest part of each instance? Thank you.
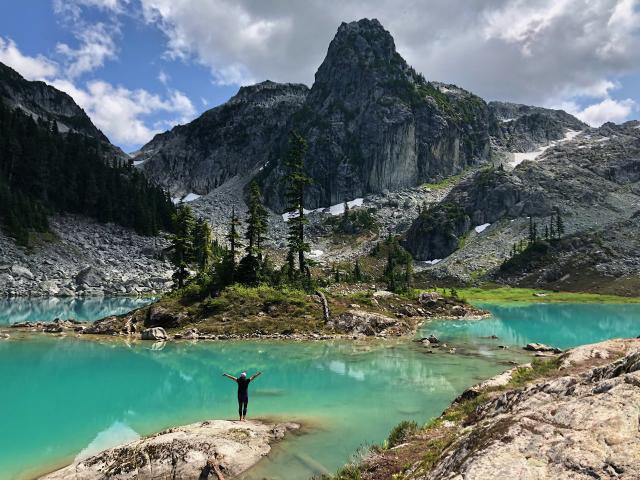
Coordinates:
(519, 157)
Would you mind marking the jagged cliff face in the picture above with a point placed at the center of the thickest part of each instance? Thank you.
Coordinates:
(46, 102)
(593, 180)
(373, 124)
(523, 128)
(234, 139)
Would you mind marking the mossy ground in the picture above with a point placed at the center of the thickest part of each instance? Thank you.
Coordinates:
(529, 295)
(265, 310)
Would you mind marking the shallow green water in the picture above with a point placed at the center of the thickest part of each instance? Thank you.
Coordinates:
(13, 310)
(60, 397)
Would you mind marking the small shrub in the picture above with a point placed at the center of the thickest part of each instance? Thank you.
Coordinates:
(401, 433)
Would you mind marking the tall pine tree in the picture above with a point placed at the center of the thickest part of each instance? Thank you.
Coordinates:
(297, 180)
(182, 244)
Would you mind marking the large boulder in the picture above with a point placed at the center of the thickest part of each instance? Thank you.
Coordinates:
(154, 333)
(108, 326)
(19, 271)
(89, 276)
(189, 452)
(161, 316)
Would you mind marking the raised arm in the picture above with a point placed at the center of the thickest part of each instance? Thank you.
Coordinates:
(255, 376)
(230, 376)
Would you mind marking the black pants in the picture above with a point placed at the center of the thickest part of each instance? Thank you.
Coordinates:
(242, 406)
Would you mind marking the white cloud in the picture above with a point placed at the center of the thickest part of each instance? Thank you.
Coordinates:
(32, 68)
(122, 113)
(608, 110)
(96, 46)
(515, 50)
(163, 77)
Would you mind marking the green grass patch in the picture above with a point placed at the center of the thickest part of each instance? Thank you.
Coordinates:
(539, 368)
(529, 295)
(445, 183)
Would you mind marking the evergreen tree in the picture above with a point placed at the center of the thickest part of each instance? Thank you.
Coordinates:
(233, 237)
(202, 246)
(559, 224)
(357, 272)
(297, 180)
(182, 245)
(256, 222)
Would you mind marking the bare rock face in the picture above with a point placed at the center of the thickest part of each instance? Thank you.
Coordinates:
(190, 452)
(44, 101)
(580, 426)
(373, 124)
(234, 139)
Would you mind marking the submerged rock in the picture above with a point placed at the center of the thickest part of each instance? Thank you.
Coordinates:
(192, 451)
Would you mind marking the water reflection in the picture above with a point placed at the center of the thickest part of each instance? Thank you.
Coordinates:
(13, 310)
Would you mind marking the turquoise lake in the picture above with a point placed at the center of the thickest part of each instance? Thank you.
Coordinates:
(64, 397)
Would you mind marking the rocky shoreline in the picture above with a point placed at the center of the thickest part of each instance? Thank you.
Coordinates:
(215, 449)
(574, 416)
(159, 322)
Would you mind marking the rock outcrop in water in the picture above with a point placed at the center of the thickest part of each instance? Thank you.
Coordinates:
(213, 449)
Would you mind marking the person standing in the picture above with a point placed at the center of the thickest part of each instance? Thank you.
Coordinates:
(243, 391)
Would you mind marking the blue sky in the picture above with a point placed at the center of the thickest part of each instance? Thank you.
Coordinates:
(139, 67)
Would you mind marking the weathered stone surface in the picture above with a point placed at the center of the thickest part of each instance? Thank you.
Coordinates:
(234, 139)
(541, 347)
(373, 124)
(368, 323)
(188, 452)
(160, 316)
(580, 426)
(19, 271)
(154, 333)
(90, 276)
(108, 326)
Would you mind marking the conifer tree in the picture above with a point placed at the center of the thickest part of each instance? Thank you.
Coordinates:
(256, 221)
(233, 237)
(181, 243)
(297, 180)
(357, 272)
(559, 224)
(202, 246)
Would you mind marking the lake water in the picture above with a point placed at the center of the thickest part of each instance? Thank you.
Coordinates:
(64, 397)
(14, 310)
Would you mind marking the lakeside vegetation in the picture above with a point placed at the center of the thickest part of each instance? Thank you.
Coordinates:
(530, 295)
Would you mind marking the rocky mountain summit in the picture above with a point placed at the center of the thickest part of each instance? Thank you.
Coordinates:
(373, 124)
(41, 100)
(523, 128)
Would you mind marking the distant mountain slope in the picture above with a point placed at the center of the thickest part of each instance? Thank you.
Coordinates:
(236, 138)
(593, 181)
(523, 128)
(48, 166)
(372, 124)
(42, 101)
